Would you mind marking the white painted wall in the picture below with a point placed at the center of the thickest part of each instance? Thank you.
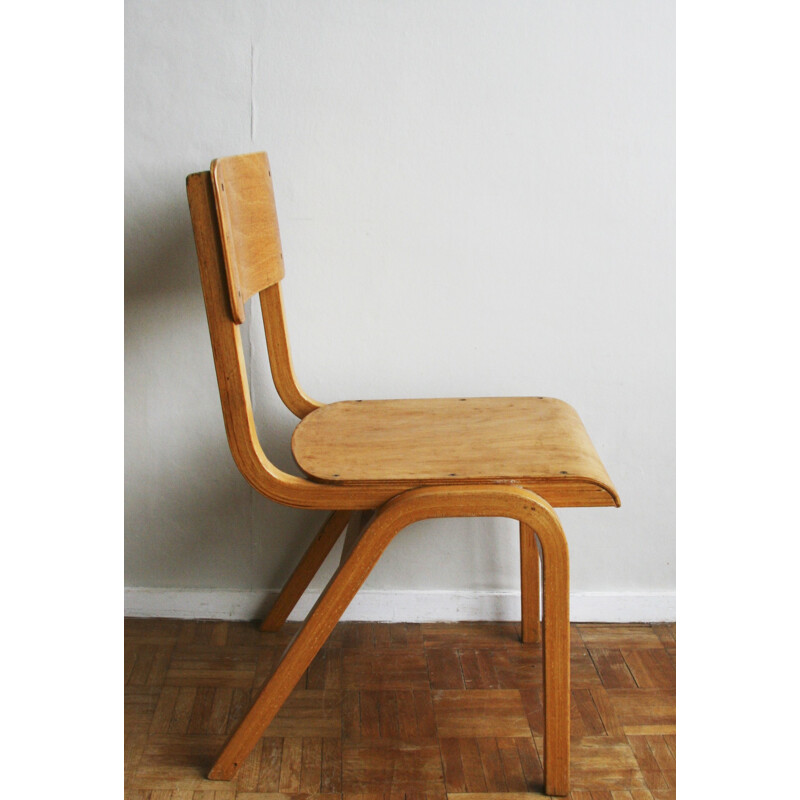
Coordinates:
(476, 198)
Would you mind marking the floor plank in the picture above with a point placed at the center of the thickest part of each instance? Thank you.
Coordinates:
(399, 711)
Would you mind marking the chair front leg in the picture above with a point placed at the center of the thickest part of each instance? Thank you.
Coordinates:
(529, 585)
(555, 590)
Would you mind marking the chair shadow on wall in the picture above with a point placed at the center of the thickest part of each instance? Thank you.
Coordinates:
(195, 520)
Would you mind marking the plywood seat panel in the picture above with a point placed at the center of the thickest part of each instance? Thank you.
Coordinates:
(538, 442)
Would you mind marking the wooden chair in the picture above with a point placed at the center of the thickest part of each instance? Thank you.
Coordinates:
(382, 465)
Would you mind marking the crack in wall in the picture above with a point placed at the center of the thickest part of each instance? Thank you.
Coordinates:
(252, 91)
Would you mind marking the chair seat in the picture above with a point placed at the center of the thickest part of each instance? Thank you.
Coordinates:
(537, 442)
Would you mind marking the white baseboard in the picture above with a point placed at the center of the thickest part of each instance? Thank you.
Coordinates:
(398, 606)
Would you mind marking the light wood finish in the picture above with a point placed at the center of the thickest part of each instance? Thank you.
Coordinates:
(357, 524)
(410, 507)
(403, 460)
(366, 705)
(307, 568)
(280, 359)
(529, 584)
(537, 442)
(237, 412)
(589, 487)
(249, 225)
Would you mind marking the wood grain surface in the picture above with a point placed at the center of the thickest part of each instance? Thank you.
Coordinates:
(539, 442)
(249, 225)
(408, 460)
(401, 710)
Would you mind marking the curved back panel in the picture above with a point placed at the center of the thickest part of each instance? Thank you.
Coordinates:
(248, 223)
(226, 344)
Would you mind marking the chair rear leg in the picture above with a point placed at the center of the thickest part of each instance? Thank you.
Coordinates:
(309, 564)
(529, 583)
(357, 524)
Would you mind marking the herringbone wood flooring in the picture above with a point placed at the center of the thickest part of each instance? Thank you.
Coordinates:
(397, 711)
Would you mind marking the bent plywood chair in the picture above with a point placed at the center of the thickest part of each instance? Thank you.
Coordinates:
(381, 465)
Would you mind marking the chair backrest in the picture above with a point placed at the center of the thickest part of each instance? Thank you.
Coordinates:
(244, 204)
(248, 224)
(235, 270)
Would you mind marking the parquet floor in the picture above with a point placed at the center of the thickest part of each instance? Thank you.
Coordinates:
(394, 711)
